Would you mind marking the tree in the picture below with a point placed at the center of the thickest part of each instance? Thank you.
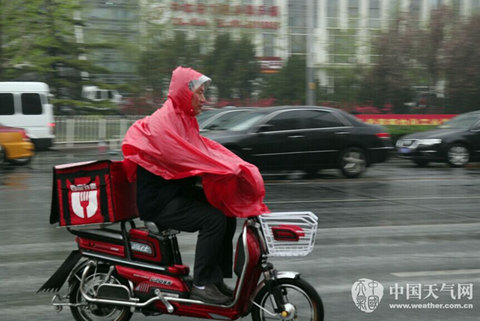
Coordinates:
(388, 81)
(348, 83)
(430, 42)
(39, 44)
(161, 57)
(288, 85)
(245, 67)
(462, 66)
(2, 23)
(233, 67)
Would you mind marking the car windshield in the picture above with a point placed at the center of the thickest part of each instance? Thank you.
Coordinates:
(463, 121)
(204, 115)
(241, 121)
(222, 119)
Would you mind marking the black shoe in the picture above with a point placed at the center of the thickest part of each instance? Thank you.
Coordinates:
(224, 288)
(210, 294)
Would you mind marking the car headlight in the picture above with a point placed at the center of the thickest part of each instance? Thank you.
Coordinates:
(429, 142)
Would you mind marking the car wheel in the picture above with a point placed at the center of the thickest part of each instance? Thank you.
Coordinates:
(21, 161)
(353, 162)
(421, 162)
(311, 173)
(458, 155)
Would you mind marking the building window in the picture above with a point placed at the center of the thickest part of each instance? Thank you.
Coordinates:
(342, 46)
(296, 16)
(298, 44)
(374, 14)
(435, 4)
(414, 9)
(353, 13)
(332, 13)
(268, 45)
(475, 6)
(456, 5)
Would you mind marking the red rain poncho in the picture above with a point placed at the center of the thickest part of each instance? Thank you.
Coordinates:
(168, 144)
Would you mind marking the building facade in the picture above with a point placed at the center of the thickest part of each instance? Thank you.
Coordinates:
(341, 32)
(113, 27)
(344, 29)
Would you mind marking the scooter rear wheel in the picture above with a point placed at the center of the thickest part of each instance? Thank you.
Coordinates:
(93, 311)
(307, 303)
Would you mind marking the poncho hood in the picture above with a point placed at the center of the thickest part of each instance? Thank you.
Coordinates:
(182, 84)
(168, 144)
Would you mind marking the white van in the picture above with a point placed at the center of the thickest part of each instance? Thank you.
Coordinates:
(26, 105)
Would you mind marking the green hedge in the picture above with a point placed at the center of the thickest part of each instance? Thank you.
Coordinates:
(398, 131)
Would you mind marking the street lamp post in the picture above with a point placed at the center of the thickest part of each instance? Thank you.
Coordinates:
(310, 83)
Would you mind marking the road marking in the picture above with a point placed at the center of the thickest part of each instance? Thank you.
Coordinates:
(435, 273)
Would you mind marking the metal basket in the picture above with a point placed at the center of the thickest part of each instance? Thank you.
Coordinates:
(303, 224)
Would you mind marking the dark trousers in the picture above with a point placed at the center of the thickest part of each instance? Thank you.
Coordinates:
(214, 251)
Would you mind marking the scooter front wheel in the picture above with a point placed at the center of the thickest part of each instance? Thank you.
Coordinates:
(302, 300)
(84, 311)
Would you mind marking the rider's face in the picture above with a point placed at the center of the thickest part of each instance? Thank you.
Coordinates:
(198, 99)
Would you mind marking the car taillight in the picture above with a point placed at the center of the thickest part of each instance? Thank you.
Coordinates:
(24, 136)
(382, 135)
(52, 128)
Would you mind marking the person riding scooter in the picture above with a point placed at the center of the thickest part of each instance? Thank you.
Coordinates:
(166, 155)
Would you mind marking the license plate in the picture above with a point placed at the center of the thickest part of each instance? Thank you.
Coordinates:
(404, 150)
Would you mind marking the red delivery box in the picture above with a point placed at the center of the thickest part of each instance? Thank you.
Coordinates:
(92, 192)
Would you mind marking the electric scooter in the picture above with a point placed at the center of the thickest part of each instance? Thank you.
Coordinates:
(116, 272)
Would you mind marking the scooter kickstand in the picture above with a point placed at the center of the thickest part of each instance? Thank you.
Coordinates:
(159, 294)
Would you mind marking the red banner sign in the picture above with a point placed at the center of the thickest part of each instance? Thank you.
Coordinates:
(405, 119)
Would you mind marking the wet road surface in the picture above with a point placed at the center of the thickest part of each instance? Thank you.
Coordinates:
(414, 230)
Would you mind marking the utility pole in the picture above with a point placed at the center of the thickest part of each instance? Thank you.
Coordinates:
(309, 73)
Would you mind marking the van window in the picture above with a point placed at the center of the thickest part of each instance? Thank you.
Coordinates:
(6, 104)
(31, 104)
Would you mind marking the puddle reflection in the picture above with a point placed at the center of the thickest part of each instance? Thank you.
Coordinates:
(11, 178)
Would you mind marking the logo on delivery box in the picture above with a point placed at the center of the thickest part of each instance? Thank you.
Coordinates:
(84, 199)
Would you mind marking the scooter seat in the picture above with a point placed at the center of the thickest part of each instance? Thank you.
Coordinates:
(152, 227)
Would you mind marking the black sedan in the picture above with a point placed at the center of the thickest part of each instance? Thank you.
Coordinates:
(304, 138)
(456, 142)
